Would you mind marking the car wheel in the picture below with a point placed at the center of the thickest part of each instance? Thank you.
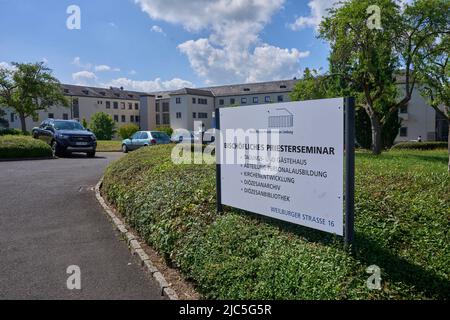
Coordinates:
(91, 154)
(124, 148)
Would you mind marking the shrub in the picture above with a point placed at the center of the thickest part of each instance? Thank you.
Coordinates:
(17, 146)
(103, 126)
(431, 145)
(167, 130)
(401, 226)
(126, 131)
(10, 132)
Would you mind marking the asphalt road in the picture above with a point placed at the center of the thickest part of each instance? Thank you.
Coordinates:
(50, 220)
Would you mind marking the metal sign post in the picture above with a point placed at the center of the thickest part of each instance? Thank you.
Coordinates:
(219, 207)
(349, 104)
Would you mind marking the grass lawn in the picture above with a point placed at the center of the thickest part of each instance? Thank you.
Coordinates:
(402, 225)
(109, 146)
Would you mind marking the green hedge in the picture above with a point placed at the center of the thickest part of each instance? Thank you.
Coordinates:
(12, 132)
(401, 226)
(432, 145)
(12, 147)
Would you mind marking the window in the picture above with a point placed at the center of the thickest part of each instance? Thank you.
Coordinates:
(66, 90)
(280, 98)
(137, 118)
(51, 116)
(85, 92)
(202, 115)
(194, 101)
(108, 104)
(124, 118)
(283, 86)
(158, 119)
(166, 107)
(131, 118)
(244, 100)
(65, 116)
(136, 106)
(166, 119)
(267, 99)
(178, 100)
(75, 109)
(157, 107)
(404, 110)
(122, 105)
(12, 117)
(221, 102)
(403, 132)
(194, 115)
(232, 101)
(116, 105)
(130, 106)
(202, 101)
(144, 135)
(116, 118)
(246, 89)
(255, 100)
(178, 115)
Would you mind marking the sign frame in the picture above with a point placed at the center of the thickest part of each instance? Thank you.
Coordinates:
(349, 173)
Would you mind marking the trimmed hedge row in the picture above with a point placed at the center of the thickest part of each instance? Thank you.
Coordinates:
(401, 226)
(431, 145)
(16, 147)
(12, 132)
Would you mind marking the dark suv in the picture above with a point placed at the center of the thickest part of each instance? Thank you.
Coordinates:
(66, 136)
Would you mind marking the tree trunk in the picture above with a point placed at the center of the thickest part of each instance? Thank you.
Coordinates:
(376, 134)
(448, 121)
(23, 123)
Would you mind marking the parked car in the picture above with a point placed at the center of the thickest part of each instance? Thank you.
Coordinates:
(180, 136)
(144, 139)
(66, 136)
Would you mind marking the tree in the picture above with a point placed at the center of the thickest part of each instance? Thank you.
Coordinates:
(84, 123)
(29, 88)
(367, 61)
(103, 126)
(434, 77)
(126, 131)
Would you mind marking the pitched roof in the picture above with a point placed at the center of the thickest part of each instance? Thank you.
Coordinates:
(197, 92)
(111, 93)
(253, 88)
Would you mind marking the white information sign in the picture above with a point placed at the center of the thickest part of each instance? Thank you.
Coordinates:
(285, 161)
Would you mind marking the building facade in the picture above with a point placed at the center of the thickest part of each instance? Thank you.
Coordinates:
(84, 102)
(180, 109)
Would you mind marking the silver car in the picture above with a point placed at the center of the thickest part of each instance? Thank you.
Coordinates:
(143, 139)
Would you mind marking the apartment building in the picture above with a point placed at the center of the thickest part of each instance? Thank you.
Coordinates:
(182, 108)
(122, 105)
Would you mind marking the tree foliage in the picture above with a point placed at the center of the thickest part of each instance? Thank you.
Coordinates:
(103, 126)
(28, 88)
(126, 131)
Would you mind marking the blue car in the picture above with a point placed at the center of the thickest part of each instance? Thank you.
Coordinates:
(144, 139)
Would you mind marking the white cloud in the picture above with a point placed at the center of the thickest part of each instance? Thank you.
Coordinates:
(233, 48)
(149, 85)
(319, 10)
(104, 68)
(112, 25)
(158, 29)
(133, 72)
(77, 62)
(84, 77)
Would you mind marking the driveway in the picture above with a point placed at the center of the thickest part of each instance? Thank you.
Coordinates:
(50, 220)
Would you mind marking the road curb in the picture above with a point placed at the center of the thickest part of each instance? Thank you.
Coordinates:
(135, 247)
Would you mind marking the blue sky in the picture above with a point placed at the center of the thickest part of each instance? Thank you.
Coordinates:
(150, 45)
